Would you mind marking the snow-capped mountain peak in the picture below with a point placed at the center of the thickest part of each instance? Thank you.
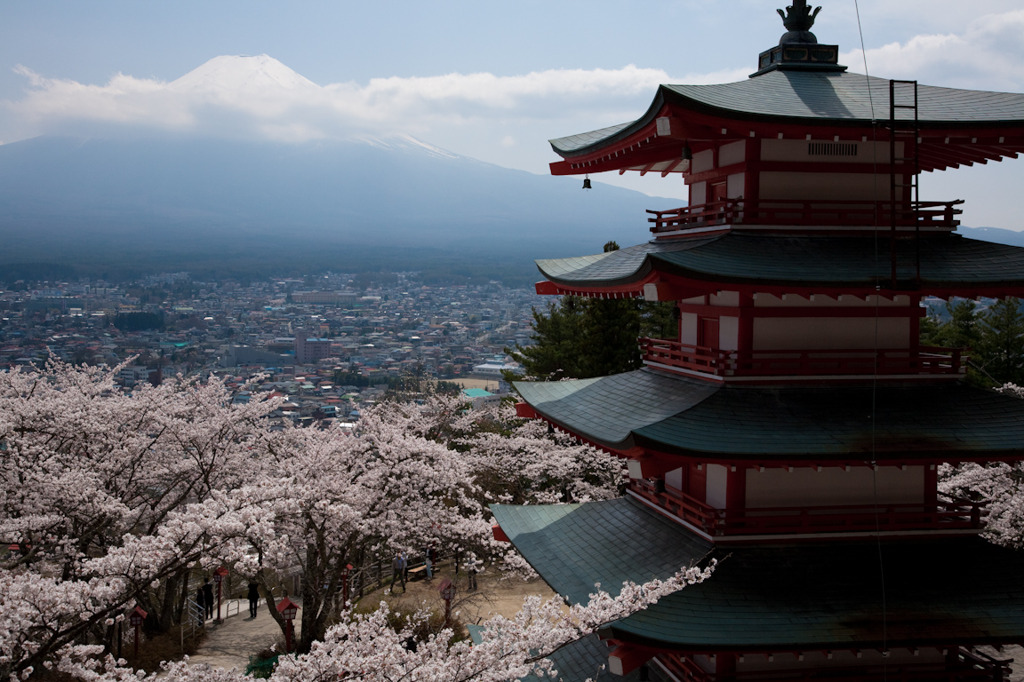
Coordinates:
(242, 73)
(404, 141)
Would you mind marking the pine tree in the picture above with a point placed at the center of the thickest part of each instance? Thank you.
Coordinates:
(1001, 342)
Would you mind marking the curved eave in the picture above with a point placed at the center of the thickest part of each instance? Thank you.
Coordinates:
(670, 414)
(885, 423)
(950, 265)
(786, 598)
(765, 598)
(957, 127)
(607, 410)
(623, 270)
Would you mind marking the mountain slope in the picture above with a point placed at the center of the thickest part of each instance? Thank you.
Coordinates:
(177, 202)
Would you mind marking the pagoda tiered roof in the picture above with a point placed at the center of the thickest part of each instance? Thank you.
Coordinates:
(652, 411)
(949, 265)
(775, 597)
(956, 126)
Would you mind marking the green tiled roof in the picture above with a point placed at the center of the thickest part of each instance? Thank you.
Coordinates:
(575, 546)
(676, 414)
(608, 409)
(585, 659)
(800, 260)
(813, 97)
(626, 264)
(778, 597)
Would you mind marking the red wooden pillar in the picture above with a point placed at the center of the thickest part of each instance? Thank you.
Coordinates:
(745, 331)
(736, 489)
(725, 665)
(697, 482)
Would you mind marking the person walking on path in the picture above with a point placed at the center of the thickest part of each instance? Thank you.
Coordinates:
(471, 564)
(201, 602)
(398, 566)
(208, 597)
(254, 598)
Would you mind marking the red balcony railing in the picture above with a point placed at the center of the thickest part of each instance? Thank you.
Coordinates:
(946, 513)
(817, 213)
(925, 360)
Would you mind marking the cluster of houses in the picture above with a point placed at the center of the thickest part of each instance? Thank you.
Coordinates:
(326, 343)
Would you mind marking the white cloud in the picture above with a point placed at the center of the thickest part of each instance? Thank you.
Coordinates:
(987, 54)
(501, 119)
(261, 96)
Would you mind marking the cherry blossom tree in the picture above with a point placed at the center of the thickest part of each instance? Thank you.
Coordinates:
(366, 647)
(1000, 485)
(512, 461)
(108, 500)
(341, 497)
(113, 499)
(523, 461)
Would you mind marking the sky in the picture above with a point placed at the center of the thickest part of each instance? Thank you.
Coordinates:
(489, 80)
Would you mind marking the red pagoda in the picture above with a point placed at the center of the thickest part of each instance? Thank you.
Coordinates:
(795, 426)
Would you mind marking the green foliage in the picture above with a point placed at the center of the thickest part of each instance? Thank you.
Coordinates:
(558, 347)
(994, 337)
(261, 666)
(343, 377)
(959, 329)
(1001, 342)
(580, 338)
(591, 337)
(447, 388)
(659, 320)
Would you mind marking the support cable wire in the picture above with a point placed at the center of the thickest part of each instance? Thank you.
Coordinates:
(874, 378)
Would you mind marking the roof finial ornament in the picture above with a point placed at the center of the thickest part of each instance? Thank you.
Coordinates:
(798, 19)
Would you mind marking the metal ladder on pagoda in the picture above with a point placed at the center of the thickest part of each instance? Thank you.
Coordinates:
(905, 130)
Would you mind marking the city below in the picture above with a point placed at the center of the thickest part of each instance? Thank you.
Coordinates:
(328, 343)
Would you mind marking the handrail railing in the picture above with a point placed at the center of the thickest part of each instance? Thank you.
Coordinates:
(924, 360)
(807, 213)
(946, 513)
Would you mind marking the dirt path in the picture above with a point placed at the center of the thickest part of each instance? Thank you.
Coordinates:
(494, 595)
(230, 644)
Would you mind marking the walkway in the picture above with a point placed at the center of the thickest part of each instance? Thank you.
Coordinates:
(230, 644)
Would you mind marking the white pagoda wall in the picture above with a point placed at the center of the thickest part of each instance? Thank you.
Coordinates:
(820, 332)
(816, 331)
(674, 479)
(800, 151)
(811, 186)
(805, 184)
(732, 153)
(703, 161)
(717, 479)
(780, 487)
(698, 193)
(836, 333)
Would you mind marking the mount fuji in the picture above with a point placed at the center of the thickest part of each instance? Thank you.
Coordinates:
(118, 206)
(239, 73)
(137, 197)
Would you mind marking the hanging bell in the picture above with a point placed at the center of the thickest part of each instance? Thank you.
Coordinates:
(586, 183)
